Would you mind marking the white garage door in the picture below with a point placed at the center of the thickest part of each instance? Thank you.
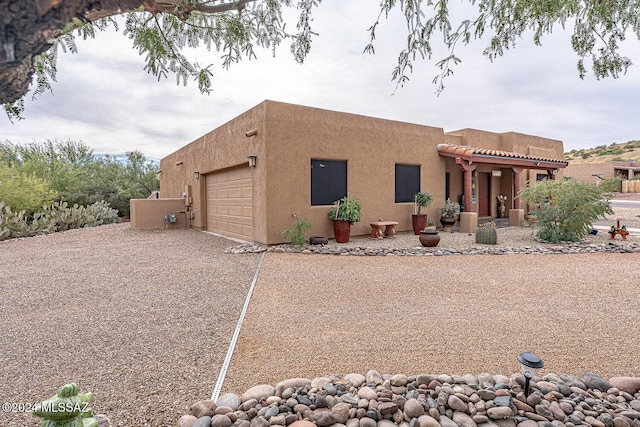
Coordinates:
(229, 203)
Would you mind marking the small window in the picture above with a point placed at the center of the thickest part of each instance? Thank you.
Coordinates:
(407, 182)
(328, 181)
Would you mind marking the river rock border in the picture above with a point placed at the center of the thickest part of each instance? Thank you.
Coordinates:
(543, 248)
(375, 400)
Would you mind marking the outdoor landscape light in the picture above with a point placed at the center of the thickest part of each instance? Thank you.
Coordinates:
(530, 363)
(196, 174)
(252, 160)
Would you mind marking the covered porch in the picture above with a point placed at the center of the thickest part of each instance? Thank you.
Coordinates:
(487, 173)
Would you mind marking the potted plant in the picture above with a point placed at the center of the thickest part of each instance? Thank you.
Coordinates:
(345, 212)
(418, 219)
(448, 215)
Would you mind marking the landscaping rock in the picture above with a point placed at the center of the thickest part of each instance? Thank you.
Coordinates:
(203, 408)
(376, 400)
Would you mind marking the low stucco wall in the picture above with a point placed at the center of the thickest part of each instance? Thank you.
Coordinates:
(150, 213)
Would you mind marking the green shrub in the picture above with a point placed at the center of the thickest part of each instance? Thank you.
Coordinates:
(611, 185)
(567, 209)
(24, 191)
(296, 234)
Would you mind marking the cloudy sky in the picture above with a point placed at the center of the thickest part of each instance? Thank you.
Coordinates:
(105, 99)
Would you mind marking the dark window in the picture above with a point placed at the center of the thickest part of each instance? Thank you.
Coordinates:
(328, 181)
(407, 182)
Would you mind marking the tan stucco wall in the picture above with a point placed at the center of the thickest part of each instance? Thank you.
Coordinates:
(371, 148)
(150, 213)
(289, 136)
(223, 148)
(584, 172)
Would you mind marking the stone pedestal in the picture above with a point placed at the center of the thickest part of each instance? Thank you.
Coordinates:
(468, 222)
(516, 217)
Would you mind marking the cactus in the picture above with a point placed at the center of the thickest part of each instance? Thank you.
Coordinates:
(486, 234)
(57, 217)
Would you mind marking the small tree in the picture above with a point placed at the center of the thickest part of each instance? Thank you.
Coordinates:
(567, 209)
(296, 234)
(22, 191)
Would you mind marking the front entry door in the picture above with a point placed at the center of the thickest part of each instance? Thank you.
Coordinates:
(484, 190)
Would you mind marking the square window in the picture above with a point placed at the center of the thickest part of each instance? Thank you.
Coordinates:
(328, 181)
(407, 182)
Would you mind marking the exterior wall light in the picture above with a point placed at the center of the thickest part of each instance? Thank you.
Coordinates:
(196, 174)
(252, 160)
(530, 363)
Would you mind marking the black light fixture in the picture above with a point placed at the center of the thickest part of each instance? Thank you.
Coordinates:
(196, 174)
(530, 363)
(252, 160)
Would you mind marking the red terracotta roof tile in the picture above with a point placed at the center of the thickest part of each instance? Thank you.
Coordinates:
(467, 151)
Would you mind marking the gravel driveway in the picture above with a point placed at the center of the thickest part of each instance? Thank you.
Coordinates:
(142, 319)
(316, 315)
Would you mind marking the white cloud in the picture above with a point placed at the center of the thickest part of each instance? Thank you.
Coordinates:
(104, 98)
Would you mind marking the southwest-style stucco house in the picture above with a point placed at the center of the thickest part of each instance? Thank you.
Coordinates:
(246, 178)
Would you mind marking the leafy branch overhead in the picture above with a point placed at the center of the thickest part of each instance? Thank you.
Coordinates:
(163, 30)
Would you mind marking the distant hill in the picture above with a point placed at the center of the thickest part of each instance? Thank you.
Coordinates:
(605, 153)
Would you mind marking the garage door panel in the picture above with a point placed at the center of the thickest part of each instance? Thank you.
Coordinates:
(229, 203)
(235, 193)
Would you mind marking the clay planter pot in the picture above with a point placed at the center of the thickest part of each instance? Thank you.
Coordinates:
(429, 238)
(447, 223)
(419, 222)
(341, 231)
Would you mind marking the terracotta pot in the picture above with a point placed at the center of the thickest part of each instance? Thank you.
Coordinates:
(341, 231)
(501, 209)
(429, 238)
(447, 223)
(419, 222)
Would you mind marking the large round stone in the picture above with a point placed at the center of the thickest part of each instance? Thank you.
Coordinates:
(203, 408)
(629, 384)
(258, 392)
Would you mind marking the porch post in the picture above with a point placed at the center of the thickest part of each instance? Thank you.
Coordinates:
(468, 169)
(516, 215)
(468, 219)
(516, 187)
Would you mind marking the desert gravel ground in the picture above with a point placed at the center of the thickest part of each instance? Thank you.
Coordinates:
(315, 315)
(143, 318)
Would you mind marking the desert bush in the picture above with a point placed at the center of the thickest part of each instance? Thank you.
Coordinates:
(57, 217)
(567, 209)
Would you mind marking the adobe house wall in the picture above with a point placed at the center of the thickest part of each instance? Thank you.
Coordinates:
(287, 137)
(223, 148)
(371, 147)
(149, 213)
(585, 171)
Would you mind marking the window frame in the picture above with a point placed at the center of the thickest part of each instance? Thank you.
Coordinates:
(413, 172)
(327, 187)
